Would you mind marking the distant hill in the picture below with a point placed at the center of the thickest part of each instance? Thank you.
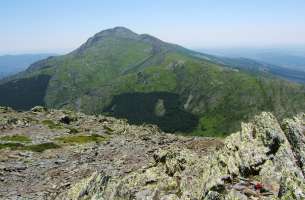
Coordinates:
(146, 80)
(289, 58)
(295, 62)
(258, 67)
(12, 64)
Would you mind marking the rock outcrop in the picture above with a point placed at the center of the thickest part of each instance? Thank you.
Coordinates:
(262, 161)
(295, 133)
(102, 158)
(259, 161)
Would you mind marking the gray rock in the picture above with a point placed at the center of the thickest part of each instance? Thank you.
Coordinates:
(262, 161)
(39, 109)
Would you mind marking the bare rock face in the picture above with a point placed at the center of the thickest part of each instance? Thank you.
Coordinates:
(102, 158)
(256, 162)
(295, 133)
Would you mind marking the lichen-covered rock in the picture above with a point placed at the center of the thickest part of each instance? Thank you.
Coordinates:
(173, 175)
(5, 109)
(260, 152)
(38, 109)
(262, 161)
(295, 133)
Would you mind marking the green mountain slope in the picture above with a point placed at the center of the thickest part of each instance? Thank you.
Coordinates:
(146, 80)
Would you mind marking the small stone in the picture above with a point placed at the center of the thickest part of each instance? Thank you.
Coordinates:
(38, 109)
(58, 162)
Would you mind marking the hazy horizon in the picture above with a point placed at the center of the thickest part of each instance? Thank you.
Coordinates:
(220, 51)
(54, 26)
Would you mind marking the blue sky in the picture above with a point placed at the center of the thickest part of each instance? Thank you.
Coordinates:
(31, 26)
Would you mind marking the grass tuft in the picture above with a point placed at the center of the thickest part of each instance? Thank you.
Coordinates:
(81, 139)
(34, 147)
(12, 146)
(16, 138)
(41, 147)
(51, 124)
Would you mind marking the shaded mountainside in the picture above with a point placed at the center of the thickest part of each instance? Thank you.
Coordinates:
(117, 62)
(64, 155)
(24, 93)
(160, 108)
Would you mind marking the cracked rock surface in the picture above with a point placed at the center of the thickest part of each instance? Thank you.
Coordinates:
(264, 160)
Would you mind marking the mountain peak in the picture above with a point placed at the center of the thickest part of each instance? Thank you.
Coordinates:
(119, 31)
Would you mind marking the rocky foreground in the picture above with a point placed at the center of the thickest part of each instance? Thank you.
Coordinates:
(55, 154)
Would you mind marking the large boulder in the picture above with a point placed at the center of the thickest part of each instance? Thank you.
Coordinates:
(295, 133)
(258, 161)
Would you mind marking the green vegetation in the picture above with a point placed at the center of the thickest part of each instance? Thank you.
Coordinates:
(51, 124)
(12, 146)
(209, 127)
(211, 99)
(41, 147)
(16, 138)
(34, 147)
(81, 139)
(73, 130)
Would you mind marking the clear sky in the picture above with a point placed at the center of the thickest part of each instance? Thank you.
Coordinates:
(57, 26)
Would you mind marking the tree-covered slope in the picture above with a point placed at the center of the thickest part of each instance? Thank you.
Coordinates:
(117, 63)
